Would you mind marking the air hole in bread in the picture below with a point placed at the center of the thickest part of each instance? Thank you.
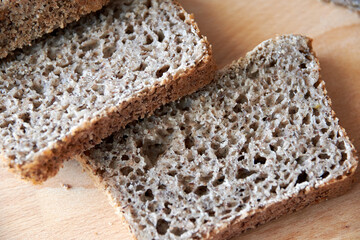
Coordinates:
(25, 117)
(259, 159)
(129, 29)
(149, 40)
(182, 16)
(293, 110)
(302, 65)
(51, 54)
(148, 195)
(201, 150)
(317, 83)
(254, 126)
(160, 36)
(222, 152)
(324, 175)
(300, 160)
(279, 99)
(189, 142)
(341, 145)
(172, 173)
(142, 67)
(315, 140)
(162, 70)
(108, 51)
(148, 4)
(201, 190)
(303, 177)
(89, 45)
(344, 156)
(306, 119)
(237, 108)
(79, 69)
(126, 170)
(220, 180)
(316, 112)
(162, 226)
(48, 70)
(323, 156)
(243, 173)
(151, 151)
(242, 99)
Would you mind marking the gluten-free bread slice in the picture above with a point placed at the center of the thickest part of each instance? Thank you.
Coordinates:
(22, 21)
(80, 84)
(259, 142)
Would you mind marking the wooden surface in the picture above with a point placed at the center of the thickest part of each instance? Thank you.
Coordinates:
(233, 27)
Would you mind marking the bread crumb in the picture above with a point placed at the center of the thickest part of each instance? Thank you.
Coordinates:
(110, 223)
(65, 186)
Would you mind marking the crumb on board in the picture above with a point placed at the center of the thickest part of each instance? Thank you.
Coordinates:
(65, 186)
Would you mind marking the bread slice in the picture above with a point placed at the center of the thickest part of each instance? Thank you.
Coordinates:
(259, 142)
(77, 86)
(351, 4)
(22, 21)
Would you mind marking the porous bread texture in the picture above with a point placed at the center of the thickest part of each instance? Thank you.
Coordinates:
(352, 4)
(22, 21)
(80, 84)
(258, 142)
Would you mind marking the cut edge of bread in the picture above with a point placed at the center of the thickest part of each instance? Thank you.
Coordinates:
(256, 217)
(48, 162)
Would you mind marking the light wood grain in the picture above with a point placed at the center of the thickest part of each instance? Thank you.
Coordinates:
(233, 27)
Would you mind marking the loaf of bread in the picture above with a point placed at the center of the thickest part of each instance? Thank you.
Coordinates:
(352, 4)
(80, 84)
(22, 21)
(259, 142)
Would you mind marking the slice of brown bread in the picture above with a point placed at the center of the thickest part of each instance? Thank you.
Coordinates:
(352, 4)
(259, 142)
(69, 90)
(22, 21)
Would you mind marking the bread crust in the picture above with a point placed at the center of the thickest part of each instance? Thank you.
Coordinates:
(47, 163)
(22, 21)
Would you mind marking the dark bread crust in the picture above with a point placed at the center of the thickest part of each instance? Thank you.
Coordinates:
(46, 164)
(22, 21)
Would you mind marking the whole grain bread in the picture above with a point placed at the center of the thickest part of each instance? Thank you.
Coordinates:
(22, 21)
(80, 84)
(259, 142)
(351, 4)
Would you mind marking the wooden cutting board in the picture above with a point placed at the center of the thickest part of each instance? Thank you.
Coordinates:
(233, 27)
